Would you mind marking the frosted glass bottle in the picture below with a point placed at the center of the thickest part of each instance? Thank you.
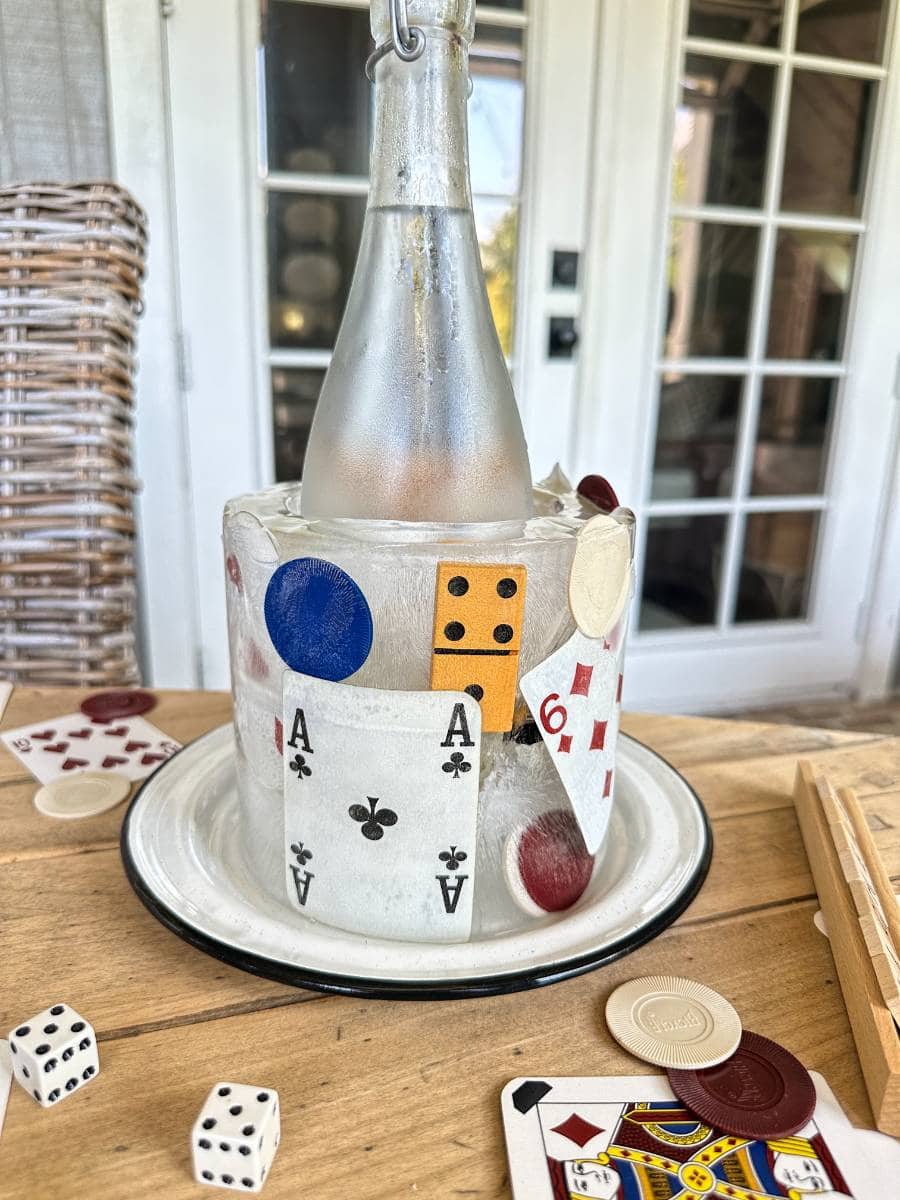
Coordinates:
(417, 420)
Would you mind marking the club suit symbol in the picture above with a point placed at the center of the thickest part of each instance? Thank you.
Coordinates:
(373, 822)
(457, 765)
(299, 765)
(452, 858)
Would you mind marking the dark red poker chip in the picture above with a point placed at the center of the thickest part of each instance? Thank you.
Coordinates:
(552, 862)
(599, 491)
(109, 706)
(762, 1092)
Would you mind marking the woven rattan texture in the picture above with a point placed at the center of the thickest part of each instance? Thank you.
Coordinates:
(71, 266)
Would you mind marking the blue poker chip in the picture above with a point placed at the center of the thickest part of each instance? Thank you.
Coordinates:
(318, 619)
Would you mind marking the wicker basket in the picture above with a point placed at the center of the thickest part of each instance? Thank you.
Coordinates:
(71, 266)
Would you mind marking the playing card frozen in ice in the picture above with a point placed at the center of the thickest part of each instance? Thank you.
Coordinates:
(380, 807)
(68, 745)
(575, 697)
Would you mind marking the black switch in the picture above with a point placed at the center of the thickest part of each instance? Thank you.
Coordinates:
(565, 269)
(563, 337)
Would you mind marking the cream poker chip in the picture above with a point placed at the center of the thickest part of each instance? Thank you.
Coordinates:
(82, 795)
(673, 1022)
(600, 579)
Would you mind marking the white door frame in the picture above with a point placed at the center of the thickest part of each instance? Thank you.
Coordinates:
(136, 72)
(685, 670)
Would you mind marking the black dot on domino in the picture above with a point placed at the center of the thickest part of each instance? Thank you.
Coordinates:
(503, 634)
(458, 585)
(454, 631)
(507, 588)
(476, 691)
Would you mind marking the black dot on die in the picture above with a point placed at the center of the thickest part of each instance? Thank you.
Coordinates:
(236, 1110)
(71, 1083)
(51, 1028)
(49, 1065)
(87, 1072)
(67, 1053)
(245, 1150)
(37, 1095)
(458, 585)
(263, 1097)
(205, 1144)
(25, 1072)
(54, 1096)
(454, 631)
(209, 1123)
(248, 1130)
(24, 1031)
(229, 1179)
(507, 588)
(84, 1043)
(224, 1146)
(12, 1046)
(44, 1048)
(476, 691)
(503, 634)
(247, 1182)
(57, 1009)
(225, 1091)
(207, 1174)
(78, 1026)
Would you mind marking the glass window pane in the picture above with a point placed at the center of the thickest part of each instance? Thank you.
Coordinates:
(755, 22)
(312, 245)
(852, 29)
(810, 289)
(776, 566)
(496, 110)
(294, 396)
(722, 132)
(711, 272)
(498, 228)
(318, 100)
(683, 564)
(791, 449)
(695, 436)
(827, 143)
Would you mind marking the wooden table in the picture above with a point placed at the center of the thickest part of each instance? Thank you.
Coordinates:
(387, 1100)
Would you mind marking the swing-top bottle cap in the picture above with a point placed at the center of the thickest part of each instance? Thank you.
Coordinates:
(457, 16)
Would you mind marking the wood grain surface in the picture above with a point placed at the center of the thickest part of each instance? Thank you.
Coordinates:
(388, 1100)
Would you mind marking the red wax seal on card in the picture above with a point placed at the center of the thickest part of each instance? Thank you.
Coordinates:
(762, 1092)
(109, 706)
(547, 865)
(599, 492)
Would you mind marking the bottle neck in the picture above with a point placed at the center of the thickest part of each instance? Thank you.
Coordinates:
(420, 146)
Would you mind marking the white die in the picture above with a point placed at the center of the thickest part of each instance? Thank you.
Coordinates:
(54, 1054)
(233, 1141)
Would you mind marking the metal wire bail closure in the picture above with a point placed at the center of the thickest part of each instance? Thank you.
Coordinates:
(407, 41)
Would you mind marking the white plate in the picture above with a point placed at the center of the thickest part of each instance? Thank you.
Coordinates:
(183, 859)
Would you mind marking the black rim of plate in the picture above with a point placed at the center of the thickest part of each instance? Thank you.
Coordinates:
(337, 983)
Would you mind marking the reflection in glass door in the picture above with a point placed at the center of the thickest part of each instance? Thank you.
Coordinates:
(767, 210)
(316, 129)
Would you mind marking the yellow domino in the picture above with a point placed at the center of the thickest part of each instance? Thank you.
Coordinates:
(478, 614)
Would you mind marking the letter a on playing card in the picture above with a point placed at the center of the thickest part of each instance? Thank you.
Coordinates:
(575, 696)
(381, 808)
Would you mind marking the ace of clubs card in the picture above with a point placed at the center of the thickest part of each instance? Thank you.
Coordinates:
(380, 807)
(629, 1138)
(575, 697)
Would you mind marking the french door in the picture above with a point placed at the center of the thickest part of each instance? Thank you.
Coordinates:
(739, 376)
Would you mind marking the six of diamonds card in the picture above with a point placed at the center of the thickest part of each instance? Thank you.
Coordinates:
(68, 745)
(628, 1138)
